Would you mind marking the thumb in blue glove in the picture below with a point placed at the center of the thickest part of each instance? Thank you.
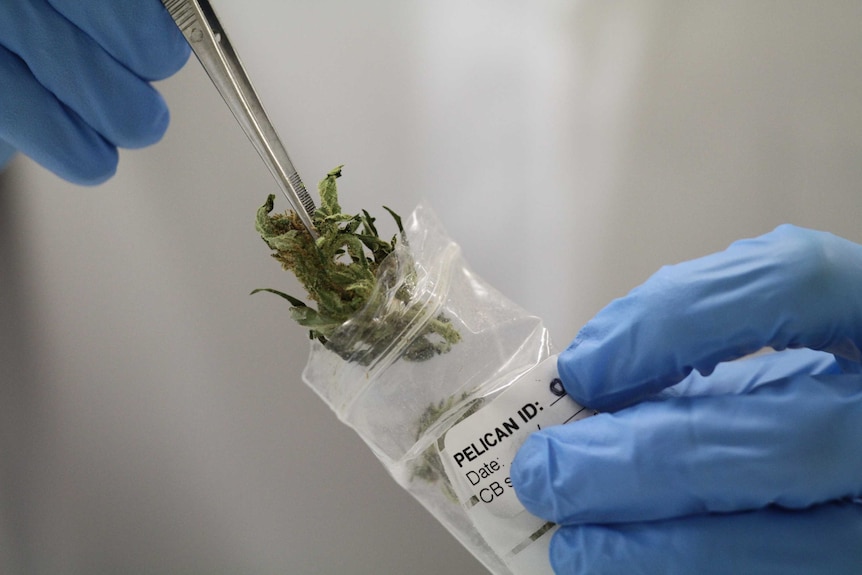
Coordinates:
(75, 80)
(703, 465)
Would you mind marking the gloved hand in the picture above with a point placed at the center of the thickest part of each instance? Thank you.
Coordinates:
(6, 153)
(701, 466)
(75, 81)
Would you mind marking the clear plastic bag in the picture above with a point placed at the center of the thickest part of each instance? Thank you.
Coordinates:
(399, 393)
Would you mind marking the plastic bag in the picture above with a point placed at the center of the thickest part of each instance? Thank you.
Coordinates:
(400, 395)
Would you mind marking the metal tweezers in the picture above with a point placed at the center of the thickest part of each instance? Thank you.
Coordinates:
(199, 24)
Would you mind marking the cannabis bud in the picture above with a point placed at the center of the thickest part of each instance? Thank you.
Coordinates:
(363, 304)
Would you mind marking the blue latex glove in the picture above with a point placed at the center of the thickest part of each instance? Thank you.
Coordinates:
(75, 80)
(6, 153)
(701, 466)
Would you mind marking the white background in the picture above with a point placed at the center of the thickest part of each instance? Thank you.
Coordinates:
(153, 416)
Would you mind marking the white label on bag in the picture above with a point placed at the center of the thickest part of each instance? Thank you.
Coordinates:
(478, 453)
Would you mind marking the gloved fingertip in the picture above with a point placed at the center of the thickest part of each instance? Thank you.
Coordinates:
(568, 363)
(530, 475)
(172, 53)
(95, 168)
(7, 152)
(582, 368)
(170, 59)
(98, 177)
(158, 127)
(146, 128)
(175, 60)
